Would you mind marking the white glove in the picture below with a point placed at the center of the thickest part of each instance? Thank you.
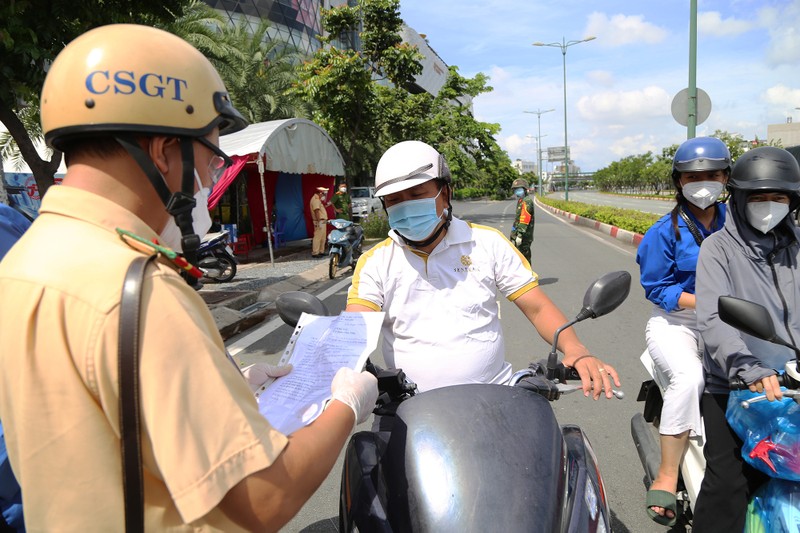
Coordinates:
(518, 241)
(359, 390)
(257, 374)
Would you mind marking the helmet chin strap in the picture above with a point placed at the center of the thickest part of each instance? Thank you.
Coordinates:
(179, 204)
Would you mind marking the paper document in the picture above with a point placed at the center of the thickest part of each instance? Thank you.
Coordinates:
(318, 348)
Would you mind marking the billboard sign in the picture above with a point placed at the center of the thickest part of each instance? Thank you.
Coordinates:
(556, 153)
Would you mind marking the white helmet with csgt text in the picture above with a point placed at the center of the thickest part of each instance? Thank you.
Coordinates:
(407, 164)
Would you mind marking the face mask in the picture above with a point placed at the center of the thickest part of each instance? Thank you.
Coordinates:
(702, 193)
(342, 189)
(201, 219)
(764, 216)
(415, 219)
(519, 192)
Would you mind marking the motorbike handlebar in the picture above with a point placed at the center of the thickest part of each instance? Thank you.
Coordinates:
(784, 380)
(535, 379)
(393, 387)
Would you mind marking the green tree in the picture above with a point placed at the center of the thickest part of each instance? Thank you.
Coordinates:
(367, 101)
(475, 158)
(258, 72)
(342, 85)
(646, 173)
(32, 33)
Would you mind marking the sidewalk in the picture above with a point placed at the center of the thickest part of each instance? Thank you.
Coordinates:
(250, 297)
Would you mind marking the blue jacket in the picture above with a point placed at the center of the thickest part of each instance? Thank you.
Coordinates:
(10, 495)
(12, 225)
(668, 266)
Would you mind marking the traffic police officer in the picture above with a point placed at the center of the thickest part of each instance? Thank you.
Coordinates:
(522, 230)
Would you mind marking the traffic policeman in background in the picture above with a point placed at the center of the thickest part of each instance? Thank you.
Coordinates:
(522, 230)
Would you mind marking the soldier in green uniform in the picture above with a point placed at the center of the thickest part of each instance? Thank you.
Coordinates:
(341, 202)
(522, 230)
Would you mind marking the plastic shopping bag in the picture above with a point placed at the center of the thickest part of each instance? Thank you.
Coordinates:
(774, 508)
(770, 432)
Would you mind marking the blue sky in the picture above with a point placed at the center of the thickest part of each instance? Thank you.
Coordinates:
(619, 86)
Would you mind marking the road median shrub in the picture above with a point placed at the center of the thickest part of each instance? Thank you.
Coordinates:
(627, 219)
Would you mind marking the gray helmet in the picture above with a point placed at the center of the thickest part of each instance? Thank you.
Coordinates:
(766, 168)
(519, 182)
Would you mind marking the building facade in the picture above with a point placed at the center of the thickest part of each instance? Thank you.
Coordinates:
(522, 166)
(299, 23)
(788, 133)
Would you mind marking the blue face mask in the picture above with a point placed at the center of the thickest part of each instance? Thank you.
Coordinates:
(415, 219)
(519, 192)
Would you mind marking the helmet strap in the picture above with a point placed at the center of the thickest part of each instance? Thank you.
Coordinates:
(182, 203)
(178, 204)
(130, 145)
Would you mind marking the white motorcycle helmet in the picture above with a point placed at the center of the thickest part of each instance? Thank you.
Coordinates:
(407, 164)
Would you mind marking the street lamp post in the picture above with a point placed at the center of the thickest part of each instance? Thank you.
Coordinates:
(563, 45)
(539, 114)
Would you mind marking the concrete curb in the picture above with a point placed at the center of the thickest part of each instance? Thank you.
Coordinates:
(247, 310)
(623, 235)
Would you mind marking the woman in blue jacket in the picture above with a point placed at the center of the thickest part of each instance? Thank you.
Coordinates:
(667, 258)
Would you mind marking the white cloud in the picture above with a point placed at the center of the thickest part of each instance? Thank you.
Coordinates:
(712, 23)
(519, 144)
(616, 106)
(782, 96)
(600, 77)
(634, 144)
(782, 23)
(620, 30)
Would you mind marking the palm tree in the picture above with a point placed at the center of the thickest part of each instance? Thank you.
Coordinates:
(29, 116)
(259, 71)
(256, 68)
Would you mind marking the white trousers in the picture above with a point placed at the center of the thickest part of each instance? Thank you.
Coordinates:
(672, 340)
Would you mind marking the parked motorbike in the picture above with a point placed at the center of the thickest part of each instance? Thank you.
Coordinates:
(345, 245)
(215, 257)
(644, 430)
(480, 457)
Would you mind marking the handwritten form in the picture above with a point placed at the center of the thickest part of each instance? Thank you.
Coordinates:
(317, 349)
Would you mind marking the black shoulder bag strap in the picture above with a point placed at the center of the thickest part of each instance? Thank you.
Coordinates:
(129, 409)
(698, 237)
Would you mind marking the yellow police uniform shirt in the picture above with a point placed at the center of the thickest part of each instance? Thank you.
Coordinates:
(317, 209)
(201, 429)
(442, 325)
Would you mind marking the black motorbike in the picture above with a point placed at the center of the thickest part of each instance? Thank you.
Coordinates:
(215, 257)
(477, 457)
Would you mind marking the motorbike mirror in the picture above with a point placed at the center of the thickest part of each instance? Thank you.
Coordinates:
(602, 297)
(292, 304)
(605, 295)
(749, 317)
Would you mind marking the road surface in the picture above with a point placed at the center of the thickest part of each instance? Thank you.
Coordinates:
(567, 258)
